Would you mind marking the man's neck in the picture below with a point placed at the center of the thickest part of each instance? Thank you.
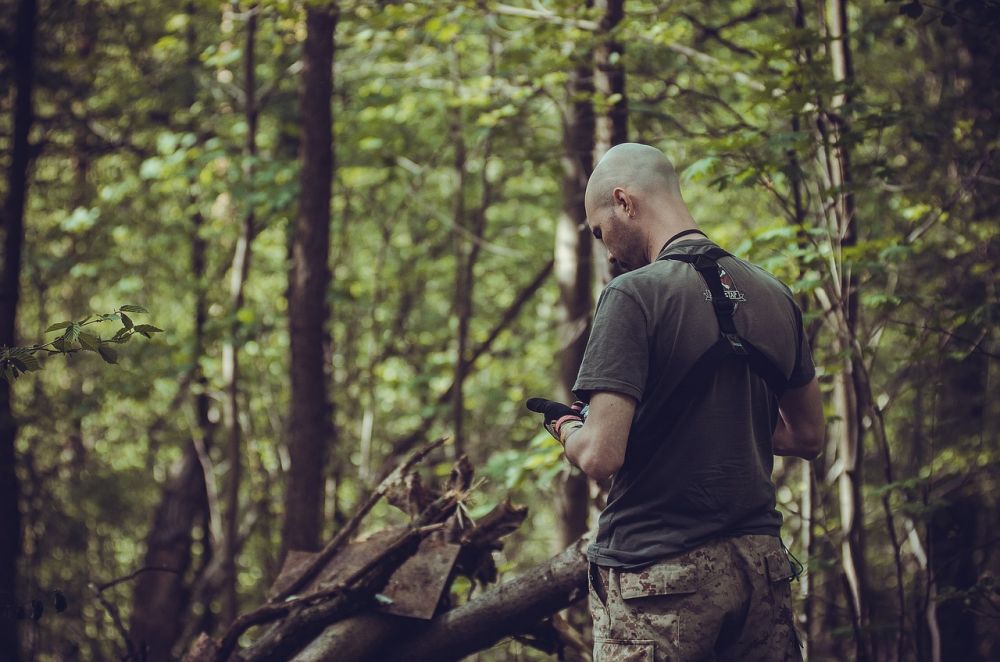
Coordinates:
(669, 237)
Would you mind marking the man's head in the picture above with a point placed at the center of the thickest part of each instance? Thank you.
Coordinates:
(634, 203)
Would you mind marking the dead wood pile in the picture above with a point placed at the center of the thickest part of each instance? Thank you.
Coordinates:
(388, 596)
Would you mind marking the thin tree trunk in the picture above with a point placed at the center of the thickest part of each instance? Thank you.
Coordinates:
(611, 124)
(468, 245)
(807, 587)
(184, 502)
(611, 119)
(311, 430)
(849, 431)
(463, 284)
(22, 61)
(573, 268)
(239, 271)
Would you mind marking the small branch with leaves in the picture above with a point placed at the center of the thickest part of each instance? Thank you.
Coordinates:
(14, 361)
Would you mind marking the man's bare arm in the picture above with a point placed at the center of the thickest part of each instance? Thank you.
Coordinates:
(598, 447)
(801, 427)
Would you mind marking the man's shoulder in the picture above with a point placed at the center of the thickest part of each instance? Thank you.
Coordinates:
(765, 277)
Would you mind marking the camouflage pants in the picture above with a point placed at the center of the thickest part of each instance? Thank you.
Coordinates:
(729, 599)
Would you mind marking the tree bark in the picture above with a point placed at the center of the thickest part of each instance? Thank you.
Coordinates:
(848, 431)
(22, 63)
(573, 269)
(184, 501)
(611, 127)
(611, 121)
(311, 429)
(169, 548)
(239, 271)
(501, 611)
(464, 263)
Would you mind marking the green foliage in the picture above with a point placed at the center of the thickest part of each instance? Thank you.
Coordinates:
(17, 360)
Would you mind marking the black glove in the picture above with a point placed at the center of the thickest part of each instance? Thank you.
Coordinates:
(556, 414)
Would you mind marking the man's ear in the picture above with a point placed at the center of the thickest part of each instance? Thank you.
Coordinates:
(624, 200)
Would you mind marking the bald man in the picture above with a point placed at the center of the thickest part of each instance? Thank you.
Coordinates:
(697, 372)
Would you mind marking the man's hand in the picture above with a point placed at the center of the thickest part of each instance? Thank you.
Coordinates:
(556, 414)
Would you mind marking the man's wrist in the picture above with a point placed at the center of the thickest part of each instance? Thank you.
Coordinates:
(568, 427)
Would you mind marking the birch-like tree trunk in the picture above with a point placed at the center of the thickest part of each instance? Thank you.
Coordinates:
(847, 430)
(238, 273)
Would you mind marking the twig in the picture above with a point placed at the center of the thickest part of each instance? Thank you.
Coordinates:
(149, 568)
(974, 344)
(98, 591)
(403, 444)
(545, 15)
(116, 618)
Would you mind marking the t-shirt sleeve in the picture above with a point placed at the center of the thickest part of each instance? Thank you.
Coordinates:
(617, 354)
(804, 369)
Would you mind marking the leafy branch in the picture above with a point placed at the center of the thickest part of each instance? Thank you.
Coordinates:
(14, 361)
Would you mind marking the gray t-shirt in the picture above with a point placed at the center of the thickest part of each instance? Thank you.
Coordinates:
(707, 474)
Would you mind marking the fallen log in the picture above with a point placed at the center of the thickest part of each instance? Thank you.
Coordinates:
(505, 610)
(370, 599)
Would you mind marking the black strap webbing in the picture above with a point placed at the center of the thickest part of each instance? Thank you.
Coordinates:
(730, 344)
(707, 265)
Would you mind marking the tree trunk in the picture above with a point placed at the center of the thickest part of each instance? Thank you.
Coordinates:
(463, 280)
(611, 122)
(239, 270)
(22, 56)
(611, 126)
(184, 501)
(573, 268)
(169, 548)
(501, 611)
(310, 426)
(848, 431)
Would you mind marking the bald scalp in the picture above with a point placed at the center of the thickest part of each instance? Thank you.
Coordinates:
(639, 168)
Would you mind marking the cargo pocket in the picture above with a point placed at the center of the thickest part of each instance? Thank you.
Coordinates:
(779, 568)
(623, 650)
(655, 597)
(779, 577)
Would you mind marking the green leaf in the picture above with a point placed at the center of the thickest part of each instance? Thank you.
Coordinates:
(147, 330)
(57, 326)
(133, 309)
(72, 333)
(30, 362)
(89, 341)
(127, 321)
(108, 354)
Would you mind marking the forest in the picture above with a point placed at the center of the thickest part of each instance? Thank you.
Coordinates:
(279, 275)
